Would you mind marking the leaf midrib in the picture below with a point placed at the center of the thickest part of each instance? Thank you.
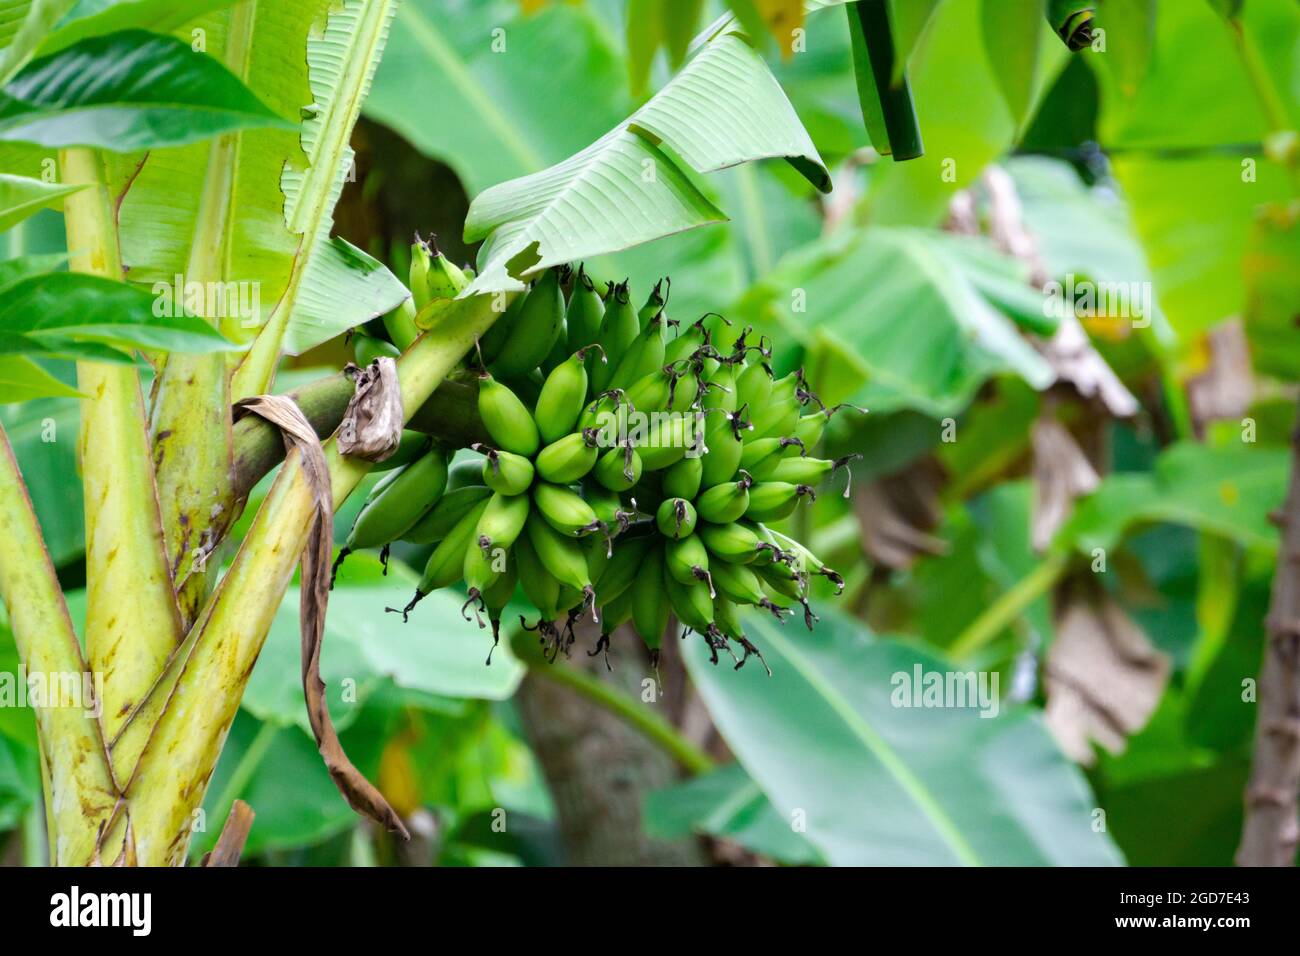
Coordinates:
(882, 751)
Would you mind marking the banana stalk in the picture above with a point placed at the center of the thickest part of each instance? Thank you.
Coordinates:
(191, 426)
(79, 791)
(132, 620)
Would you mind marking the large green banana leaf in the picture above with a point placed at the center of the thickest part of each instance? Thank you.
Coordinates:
(872, 783)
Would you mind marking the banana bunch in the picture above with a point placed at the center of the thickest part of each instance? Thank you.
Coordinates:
(633, 472)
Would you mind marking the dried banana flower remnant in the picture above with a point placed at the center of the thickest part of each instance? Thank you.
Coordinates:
(372, 425)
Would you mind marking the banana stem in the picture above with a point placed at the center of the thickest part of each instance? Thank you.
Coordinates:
(79, 790)
(691, 758)
(1005, 610)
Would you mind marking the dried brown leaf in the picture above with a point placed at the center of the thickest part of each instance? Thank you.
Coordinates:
(372, 425)
(230, 845)
(1062, 473)
(314, 591)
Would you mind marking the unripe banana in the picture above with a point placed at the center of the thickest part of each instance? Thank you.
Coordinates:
(683, 479)
(444, 280)
(562, 556)
(676, 518)
(447, 563)
(618, 329)
(726, 615)
(762, 455)
(443, 516)
(564, 510)
(619, 468)
(480, 567)
(414, 490)
(465, 472)
(654, 305)
(495, 599)
(649, 609)
(494, 339)
(558, 353)
(721, 391)
(624, 566)
(692, 603)
(417, 276)
(724, 437)
(508, 473)
(739, 583)
(774, 500)
(643, 356)
(608, 507)
(653, 391)
(400, 324)
(801, 558)
(725, 503)
(535, 329)
(753, 386)
(782, 410)
(367, 348)
(731, 542)
(779, 578)
(615, 613)
(812, 426)
(502, 522)
(668, 440)
(540, 586)
(562, 397)
(506, 418)
(586, 309)
(689, 341)
(687, 560)
(565, 461)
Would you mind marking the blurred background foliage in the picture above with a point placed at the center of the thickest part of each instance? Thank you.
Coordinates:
(1079, 505)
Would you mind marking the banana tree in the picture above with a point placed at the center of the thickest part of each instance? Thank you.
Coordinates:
(197, 149)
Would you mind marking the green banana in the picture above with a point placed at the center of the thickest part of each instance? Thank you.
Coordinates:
(502, 521)
(762, 455)
(725, 503)
(447, 563)
(495, 599)
(585, 312)
(676, 518)
(619, 468)
(442, 517)
(443, 281)
(802, 559)
(693, 605)
(535, 328)
(465, 472)
(562, 556)
(400, 324)
(739, 583)
(480, 568)
(560, 402)
(506, 418)
(564, 510)
(779, 578)
(608, 507)
(643, 356)
(726, 614)
(565, 461)
(774, 500)
(402, 502)
(649, 609)
(724, 438)
(687, 560)
(668, 440)
(753, 385)
(683, 479)
(506, 472)
(808, 471)
(654, 305)
(781, 413)
(367, 348)
(417, 276)
(687, 342)
(732, 542)
(618, 329)
(623, 567)
(494, 339)
(721, 390)
(540, 586)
